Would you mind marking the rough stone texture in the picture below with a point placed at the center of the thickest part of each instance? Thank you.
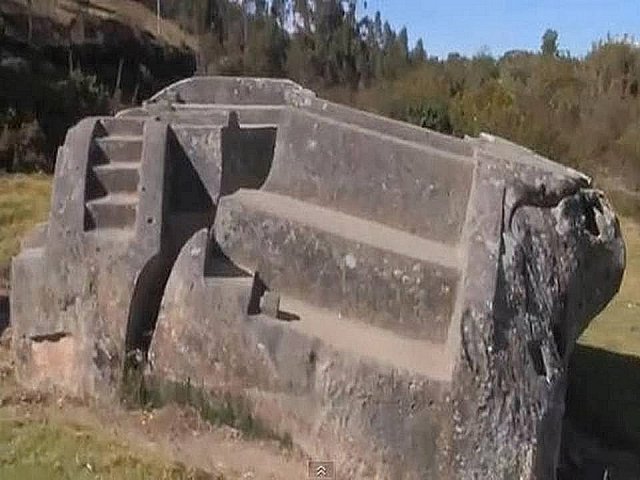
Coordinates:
(399, 301)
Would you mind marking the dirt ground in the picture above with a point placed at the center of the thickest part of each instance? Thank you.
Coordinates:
(154, 444)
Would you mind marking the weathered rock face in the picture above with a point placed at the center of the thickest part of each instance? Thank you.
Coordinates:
(559, 262)
(400, 302)
(113, 41)
(96, 38)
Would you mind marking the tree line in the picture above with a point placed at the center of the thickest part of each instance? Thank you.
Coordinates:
(320, 43)
(584, 111)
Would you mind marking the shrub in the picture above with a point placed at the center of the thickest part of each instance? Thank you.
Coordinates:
(433, 115)
(24, 149)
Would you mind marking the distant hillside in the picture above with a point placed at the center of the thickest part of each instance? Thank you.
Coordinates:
(61, 60)
(96, 36)
(55, 21)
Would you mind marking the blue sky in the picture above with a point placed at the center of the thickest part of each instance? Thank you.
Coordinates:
(467, 25)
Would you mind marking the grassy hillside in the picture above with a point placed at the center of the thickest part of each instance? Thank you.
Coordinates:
(37, 448)
(617, 328)
(63, 60)
(127, 12)
(24, 201)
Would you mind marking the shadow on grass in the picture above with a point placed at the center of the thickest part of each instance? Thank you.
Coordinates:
(604, 396)
(601, 437)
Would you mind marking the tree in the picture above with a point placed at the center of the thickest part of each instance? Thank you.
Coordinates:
(279, 11)
(403, 43)
(550, 43)
(302, 8)
(418, 54)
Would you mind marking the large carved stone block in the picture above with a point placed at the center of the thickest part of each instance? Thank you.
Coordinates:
(399, 301)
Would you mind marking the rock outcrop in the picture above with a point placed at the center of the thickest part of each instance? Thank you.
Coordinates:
(115, 40)
(400, 302)
(62, 60)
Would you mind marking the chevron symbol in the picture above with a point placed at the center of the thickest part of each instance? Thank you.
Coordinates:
(323, 470)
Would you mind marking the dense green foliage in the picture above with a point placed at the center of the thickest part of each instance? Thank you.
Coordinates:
(581, 111)
(24, 201)
(37, 106)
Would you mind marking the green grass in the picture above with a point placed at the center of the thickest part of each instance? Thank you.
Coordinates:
(40, 439)
(43, 450)
(39, 449)
(604, 380)
(24, 201)
(617, 328)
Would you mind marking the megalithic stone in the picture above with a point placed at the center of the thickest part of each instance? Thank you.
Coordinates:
(438, 285)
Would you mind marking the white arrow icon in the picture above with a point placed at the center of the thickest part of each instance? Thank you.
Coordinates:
(321, 470)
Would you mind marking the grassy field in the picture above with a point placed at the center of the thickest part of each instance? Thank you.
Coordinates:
(24, 201)
(604, 389)
(617, 328)
(128, 12)
(46, 437)
(32, 449)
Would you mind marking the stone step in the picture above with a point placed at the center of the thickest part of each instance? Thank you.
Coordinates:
(369, 342)
(114, 210)
(348, 116)
(120, 148)
(110, 237)
(248, 115)
(230, 283)
(122, 126)
(119, 177)
(365, 270)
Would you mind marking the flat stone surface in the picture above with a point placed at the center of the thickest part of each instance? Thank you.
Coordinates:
(119, 177)
(369, 271)
(371, 175)
(351, 228)
(379, 345)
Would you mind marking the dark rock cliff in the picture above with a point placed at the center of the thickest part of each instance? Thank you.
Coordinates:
(42, 44)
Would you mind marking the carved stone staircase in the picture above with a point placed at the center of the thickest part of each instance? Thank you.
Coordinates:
(113, 176)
